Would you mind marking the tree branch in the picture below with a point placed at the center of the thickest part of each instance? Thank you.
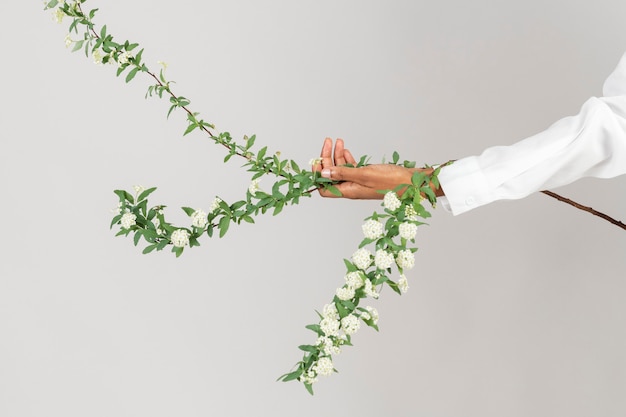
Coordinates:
(585, 208)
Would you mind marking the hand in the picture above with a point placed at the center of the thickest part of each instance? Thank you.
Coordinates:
(363, 182)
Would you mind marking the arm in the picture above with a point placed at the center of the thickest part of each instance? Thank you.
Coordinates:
(589, 144)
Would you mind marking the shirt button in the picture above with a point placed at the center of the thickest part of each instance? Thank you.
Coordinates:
(470, 201)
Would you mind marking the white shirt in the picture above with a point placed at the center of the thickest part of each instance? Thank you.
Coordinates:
(590, 144)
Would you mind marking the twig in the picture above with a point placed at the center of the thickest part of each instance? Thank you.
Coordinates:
(585, 208)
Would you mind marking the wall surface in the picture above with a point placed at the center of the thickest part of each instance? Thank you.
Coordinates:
(515, 309)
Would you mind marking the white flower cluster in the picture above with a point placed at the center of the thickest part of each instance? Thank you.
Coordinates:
(345, 293)
(97, 57)
(254, 187)
(199, 219)
(370, 314)
(373, 229)
(124, 58)
(350, 324)
(410, 213)
(405, 259)
(215, 204)
(362, 258)
(315, 161)
(370, 289)
(128, 220)
(328, 346)
(407, 230)
(324, 366)
(391, 201)
(383, 259)
(180, 238)
(403, 284)
(354, 280)
(58, 15)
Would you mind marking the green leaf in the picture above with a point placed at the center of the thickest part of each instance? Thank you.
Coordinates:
(137, 237)
(149, 249)
(396, 157)
(309, 388)
(334, 190)
(308, 348)
(103, 32)
(190, 129)
(224, 225)
(78, 45)
(278, 208)
(316, 328)
(132, 74)
(171, 110)
(115, 220)
(350, 266)
(189, 211)
(162, 244)
(145, 194)
(290, 376)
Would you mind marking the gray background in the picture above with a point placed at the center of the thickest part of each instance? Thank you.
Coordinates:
(515, 309)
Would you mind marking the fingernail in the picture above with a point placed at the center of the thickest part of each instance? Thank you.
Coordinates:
(326, 173)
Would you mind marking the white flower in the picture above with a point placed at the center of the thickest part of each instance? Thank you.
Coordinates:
(362, 258)
(405, 259)
(365, 315)
(138, 189)
(180, 238)
(407, 230)
(345, 293)
(68, 41)
(330, 312)
(403, 284)
(324, 366)
(215, 204)
(315, 161)
(373, 229)
(308, 378)
(391, 201)
(370, 290)
(254, 187)
(350, 324)
(373, 313)
(97, 57)
(162, 64)
(128, 220)
(328, 346)
(410, 213)
(330, 326)
(354, 280)
(383, 259)
(58, 15)
(124, 58)
(199, 218)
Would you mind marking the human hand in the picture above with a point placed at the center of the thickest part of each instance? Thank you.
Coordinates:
(363, 182)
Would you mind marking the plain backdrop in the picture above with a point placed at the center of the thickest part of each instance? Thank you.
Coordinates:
(514, 309)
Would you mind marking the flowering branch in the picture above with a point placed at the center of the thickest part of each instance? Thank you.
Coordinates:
(389, 232)
(133, 214)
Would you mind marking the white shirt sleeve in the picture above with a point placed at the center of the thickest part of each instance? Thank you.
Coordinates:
(590, 144)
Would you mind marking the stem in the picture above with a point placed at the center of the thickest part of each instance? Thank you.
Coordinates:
(585, 208)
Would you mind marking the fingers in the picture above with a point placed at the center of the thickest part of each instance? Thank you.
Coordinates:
(349, 158)
(326, 155)
(339, 156)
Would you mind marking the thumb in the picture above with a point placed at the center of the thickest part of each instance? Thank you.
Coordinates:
(338, 173)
